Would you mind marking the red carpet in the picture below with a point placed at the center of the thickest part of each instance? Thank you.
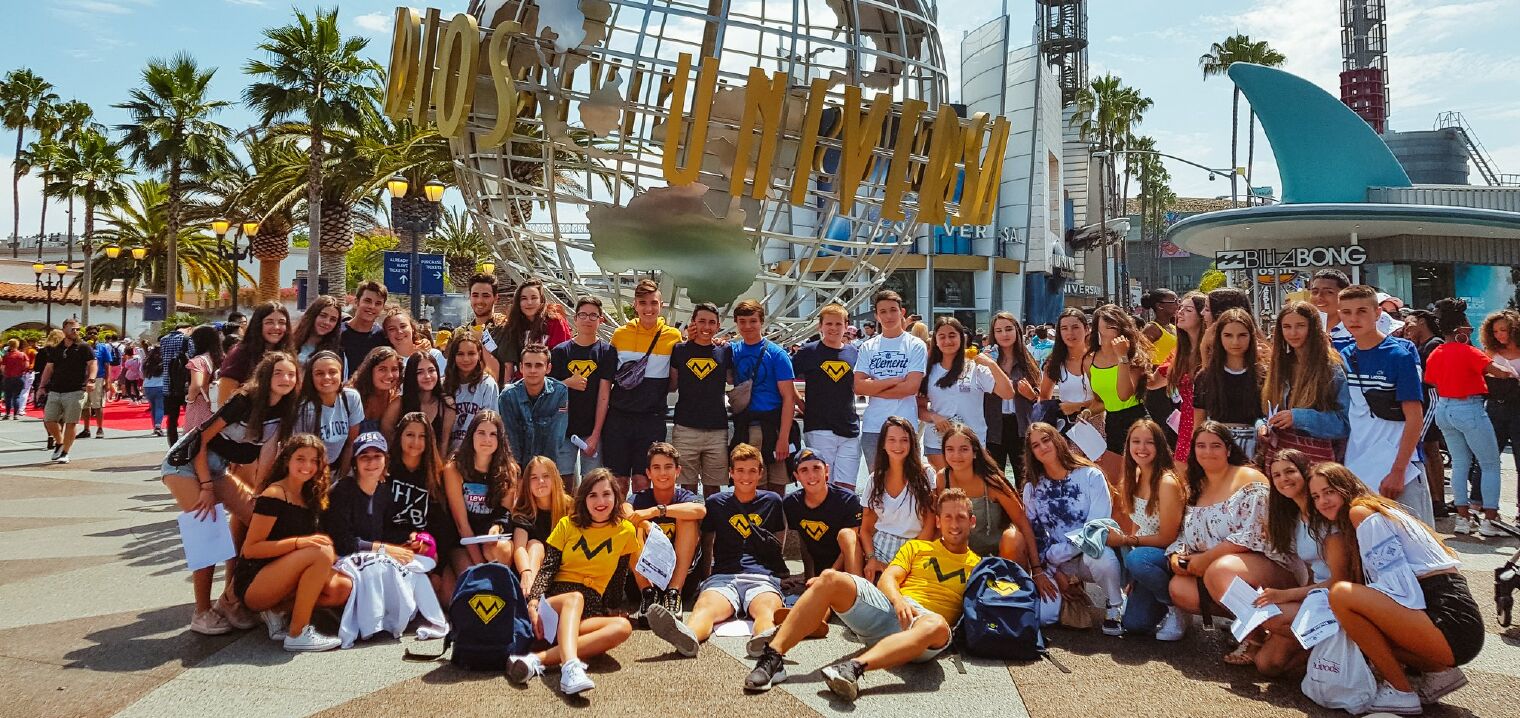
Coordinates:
(119, 416)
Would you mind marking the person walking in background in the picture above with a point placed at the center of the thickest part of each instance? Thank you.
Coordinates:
(70, 372)
(14, 365)
(153, 386)
(1500, 335)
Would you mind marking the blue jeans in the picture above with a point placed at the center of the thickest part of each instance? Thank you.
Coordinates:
(12, 387)
(1469, 436)
(1149, 593)
(155, 396)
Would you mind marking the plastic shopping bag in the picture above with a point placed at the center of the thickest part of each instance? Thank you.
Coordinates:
(1338, 675)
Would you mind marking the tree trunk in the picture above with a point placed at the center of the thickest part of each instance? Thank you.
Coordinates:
(1250, 153)
(69, 241)
(42, 227)
(1234, 147)
(89, 255)
(16, 197)
(269, 280)
(336, 242)
(171, 267)
(313, 218)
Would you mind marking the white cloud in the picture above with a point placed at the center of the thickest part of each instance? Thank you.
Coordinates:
(254, 3)
(374, 22)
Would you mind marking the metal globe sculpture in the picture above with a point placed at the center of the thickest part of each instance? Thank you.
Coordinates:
(789, 150)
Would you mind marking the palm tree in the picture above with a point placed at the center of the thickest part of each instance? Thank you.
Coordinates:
(1107, 113)
(22, 96)
(172, 131)
(252, 192)
(96, 169)
(1216, 62)
(462, 245)
(316, 74)
(74, 117)
(143, 222)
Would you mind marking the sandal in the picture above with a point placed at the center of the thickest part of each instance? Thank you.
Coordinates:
(1244, 653)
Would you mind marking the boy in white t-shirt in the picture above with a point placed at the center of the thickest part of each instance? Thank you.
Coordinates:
(888, 371)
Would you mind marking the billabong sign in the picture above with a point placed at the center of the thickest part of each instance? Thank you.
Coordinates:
(1295, 258)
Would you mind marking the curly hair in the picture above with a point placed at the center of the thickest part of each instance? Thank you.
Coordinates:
(313, 492)
(1486, 331)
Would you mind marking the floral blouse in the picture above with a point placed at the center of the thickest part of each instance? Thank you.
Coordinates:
(1240, 519)
(1145, 524)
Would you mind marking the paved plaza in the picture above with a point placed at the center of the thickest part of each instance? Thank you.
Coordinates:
(96, 605)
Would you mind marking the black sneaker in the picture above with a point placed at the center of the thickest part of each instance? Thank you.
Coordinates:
(57, 451)
(672, 603)
(843, 678)
(83, 434)
(52, 443)
(770, 669)
(648, 597)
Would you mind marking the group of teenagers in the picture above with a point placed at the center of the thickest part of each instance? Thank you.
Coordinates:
(1227, 457)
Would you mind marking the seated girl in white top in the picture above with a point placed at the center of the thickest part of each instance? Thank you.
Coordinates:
(1405, 605)
(897, 508)
(1063, 493)
(1151, 497)
(1321, 560)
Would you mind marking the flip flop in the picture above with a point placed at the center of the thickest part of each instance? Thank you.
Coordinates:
(1244, 653)
(819, 631)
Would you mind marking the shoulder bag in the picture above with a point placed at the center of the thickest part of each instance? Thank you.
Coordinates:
(631, 375)
(1384, 403)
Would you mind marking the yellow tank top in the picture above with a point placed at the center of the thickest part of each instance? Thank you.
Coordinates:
(1105, 385)
(1162, 348)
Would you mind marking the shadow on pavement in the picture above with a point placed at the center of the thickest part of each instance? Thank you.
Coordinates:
(154, 639)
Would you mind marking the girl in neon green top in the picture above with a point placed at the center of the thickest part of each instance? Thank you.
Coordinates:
(1119, 356)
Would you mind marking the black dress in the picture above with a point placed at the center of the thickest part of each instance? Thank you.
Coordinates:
(290, 521)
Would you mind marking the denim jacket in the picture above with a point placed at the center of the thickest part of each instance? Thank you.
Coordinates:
(1328, 424)
(535, 429)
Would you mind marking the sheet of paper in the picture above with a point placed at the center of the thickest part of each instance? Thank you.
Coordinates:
(488, 538)
(658, 559)
(1174, 420)
(738, 628)
(1087, 439)
(550, 619)
(208, 542)
(1239, 598)
(1315, 622)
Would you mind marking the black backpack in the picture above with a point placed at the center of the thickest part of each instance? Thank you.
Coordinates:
(488, 620)
(177, 376)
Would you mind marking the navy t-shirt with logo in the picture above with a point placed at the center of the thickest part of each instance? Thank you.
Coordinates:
(820, 525)
(645, 500)
(829, 380)
(736, 542)
(700, 375)
(596, 362)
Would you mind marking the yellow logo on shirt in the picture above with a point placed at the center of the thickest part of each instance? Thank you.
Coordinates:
(701, 366)
(1005, 588)
(943, 577)
(815, 529)
(744, 523)
(669, 529)
(486, 606)
(835, 369)
(589, 552)
(582, 367)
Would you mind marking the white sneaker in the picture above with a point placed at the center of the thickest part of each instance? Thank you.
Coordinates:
(62, 458)
(1395, 701)
(1488, 529)
(1460, 525)
(521, 669)
(209, 623)
(309, 640)
(1174, 626)
(278, 624)
(1432, 687)
(673, 631)
(573, 679)
(1113, 621)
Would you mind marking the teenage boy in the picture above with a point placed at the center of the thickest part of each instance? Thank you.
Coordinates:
(636, 406)
(585, 365)
(1324, 293)
(535, 408)
(827, 369)
(674, 510)
(95, 398)
(767, 421)
(827, 516)
(906, 617)
(698, 369)
(362, 332)
(1383, 371)
(70, 371)
(741, 538)
(488, 322)
(888, 371)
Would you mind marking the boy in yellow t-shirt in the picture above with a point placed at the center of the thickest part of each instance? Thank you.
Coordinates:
(906, 617)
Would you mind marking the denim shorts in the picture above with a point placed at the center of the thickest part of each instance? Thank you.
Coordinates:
(872, 618)
(214, 460)
(569, 454)
(741, 589)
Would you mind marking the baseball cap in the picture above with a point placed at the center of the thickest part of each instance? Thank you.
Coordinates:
(796, 460)
(1386, 297)
(370, 440)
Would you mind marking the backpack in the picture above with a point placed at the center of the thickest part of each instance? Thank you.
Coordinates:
(1000, 616)
(177, 375)
(488, 619)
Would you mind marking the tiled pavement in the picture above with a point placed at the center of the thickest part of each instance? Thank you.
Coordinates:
(94, 606)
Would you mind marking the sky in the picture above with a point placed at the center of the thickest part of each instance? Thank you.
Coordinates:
(1443, 55)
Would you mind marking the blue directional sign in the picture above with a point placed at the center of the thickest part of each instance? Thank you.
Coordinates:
(155, 307)
(398, 273)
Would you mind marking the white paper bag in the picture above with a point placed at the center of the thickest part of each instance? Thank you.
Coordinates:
(1315, 621)
(1338, 676)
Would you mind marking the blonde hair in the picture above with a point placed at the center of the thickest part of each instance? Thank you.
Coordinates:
(834, 310)
(560, 502)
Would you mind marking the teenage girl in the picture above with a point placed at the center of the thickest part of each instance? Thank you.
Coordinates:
(954, 386)
(1161, 332)
(898, 507)
(1228, 388)
(330, 410)
(318, 328)
(1065, 377)
(574, 582)
(529, 321)
(418, 519)
(268, 330)
(540, 505)
(1192, 322)
(465, 379)
(1002, 525)
(1008, 420)
(1306, 384)
(378, 380)
(286, 562)
(480, 482)
(422, 391)
(406, 337)
(1117, 370)
(1151, 498)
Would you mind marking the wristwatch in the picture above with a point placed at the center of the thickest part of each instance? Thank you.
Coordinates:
(661, 507)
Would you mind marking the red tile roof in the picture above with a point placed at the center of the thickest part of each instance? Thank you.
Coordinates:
(29, 293)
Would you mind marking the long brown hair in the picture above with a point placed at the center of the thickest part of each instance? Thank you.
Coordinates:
(1195, 473)
(452, 378)
(431, 463)
(1282, 512)
(308, 325)
(1016, 355)
(581, 514)
(915, 473)
(501, 475)
(982, 465)
(1059, 353)
(1033, 468)
(1355, 493)
(1189, 354)
(1161, 466)
(253, 342)
(1211, 377)
(1305, 376)
(519, 326)
(957, 363)
(257, 391)
(560, 502)
(313, 492)
(1139, 346)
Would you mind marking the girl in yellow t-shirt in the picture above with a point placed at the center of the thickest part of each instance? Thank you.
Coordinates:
(588, 551)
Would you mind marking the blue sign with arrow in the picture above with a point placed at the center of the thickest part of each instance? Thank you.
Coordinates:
(429, 274)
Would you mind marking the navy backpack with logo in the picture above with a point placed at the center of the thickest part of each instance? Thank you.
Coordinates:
(488, 619)
(1001, 617)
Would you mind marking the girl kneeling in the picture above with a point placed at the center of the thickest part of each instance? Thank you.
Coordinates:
(588, 551)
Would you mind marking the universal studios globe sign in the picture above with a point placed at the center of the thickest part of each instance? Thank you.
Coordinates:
(733, 148)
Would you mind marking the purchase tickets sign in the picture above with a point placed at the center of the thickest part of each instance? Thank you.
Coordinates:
(914, 156)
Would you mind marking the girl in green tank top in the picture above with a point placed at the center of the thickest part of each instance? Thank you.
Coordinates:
(1002, 526)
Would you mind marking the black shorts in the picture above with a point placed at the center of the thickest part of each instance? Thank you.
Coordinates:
(1117, 423)
(626, 439)
(1450, 606)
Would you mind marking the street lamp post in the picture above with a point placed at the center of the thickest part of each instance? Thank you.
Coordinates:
(128, 279)
(233, 255)
(415, 227)
(52, 283)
